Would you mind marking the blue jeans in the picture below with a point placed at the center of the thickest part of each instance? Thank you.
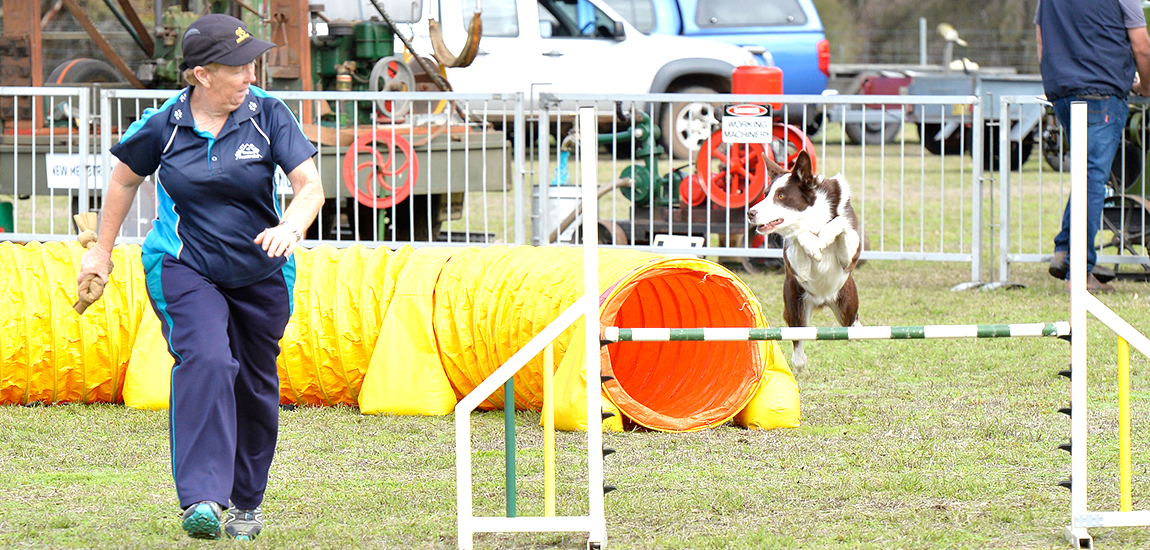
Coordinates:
(1106, 120)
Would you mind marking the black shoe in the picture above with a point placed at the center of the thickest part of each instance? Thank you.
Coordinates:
(1059, 266)
(1094, 286)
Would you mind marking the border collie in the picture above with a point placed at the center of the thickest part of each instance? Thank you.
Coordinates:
(821, 246)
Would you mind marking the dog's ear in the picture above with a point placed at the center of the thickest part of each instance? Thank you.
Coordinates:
(802, 168)
(773, 168)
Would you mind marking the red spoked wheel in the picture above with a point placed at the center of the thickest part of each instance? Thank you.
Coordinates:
(383, 173)
(789, 140)
(691, 191)
(733, 174)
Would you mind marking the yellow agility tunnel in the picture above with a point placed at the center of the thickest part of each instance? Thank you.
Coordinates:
(412, 331)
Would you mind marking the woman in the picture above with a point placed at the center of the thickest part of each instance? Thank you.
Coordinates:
(218, 265)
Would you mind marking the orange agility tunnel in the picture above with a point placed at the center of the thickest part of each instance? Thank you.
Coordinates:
(412, 331)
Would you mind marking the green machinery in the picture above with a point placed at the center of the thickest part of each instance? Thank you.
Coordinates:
(648, 187)
(640, 141)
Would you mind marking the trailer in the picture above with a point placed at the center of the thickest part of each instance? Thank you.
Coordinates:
(947, 129)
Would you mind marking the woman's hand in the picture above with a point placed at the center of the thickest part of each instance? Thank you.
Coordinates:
(279, 240)
(96, 262)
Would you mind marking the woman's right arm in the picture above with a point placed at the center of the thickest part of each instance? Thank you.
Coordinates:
(117, 201)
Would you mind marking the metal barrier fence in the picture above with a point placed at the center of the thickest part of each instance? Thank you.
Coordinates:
(426, 168)
(917, 199)
(402, 168)
(1033, 195)
(44, 150)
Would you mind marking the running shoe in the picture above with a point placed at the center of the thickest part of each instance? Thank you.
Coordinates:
(202, 520)
(244, 524)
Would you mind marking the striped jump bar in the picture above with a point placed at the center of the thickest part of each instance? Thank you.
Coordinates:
(616, 334)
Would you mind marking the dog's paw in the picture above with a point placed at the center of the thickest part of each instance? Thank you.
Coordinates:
(798, 359)
(810, 243)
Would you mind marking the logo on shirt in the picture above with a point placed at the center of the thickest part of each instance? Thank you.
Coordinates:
(248, 151)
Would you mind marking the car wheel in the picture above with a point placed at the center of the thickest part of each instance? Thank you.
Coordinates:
(84, 70)
(873, 133)
(1019, 152)
(813, 125)
(951, 145)
(685, 126)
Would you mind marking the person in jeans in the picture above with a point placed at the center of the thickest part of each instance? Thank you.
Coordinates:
(218, 265)
(1095, 51)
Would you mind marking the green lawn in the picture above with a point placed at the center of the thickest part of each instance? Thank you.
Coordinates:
(903, 444)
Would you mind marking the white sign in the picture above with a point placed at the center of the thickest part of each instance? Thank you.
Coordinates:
(64, 170)
(747, 123)
(282, 183)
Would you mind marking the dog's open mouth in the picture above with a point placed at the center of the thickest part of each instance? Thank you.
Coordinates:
(768, 227)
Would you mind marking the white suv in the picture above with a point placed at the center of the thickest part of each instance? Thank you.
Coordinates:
(574, 46)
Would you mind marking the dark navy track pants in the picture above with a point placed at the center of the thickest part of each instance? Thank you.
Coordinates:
(224, 408)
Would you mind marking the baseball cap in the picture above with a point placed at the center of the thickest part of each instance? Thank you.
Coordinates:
(221, 39)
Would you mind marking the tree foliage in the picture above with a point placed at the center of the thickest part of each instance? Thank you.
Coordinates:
(999, 33)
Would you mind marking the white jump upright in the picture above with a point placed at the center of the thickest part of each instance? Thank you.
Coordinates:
(1081, 303)
(587, 307)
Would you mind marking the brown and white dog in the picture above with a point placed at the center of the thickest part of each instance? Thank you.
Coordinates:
(821, 246)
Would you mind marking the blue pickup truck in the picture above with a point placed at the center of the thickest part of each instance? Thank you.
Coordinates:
(789, 31)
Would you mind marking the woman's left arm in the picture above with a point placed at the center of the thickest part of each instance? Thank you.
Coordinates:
(301, 212)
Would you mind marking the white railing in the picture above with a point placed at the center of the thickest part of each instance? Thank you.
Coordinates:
(44, 150)
(494, 169)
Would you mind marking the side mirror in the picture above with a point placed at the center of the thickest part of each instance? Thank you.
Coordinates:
(545, 29)
(620, 33)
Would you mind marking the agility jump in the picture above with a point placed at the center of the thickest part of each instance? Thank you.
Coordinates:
(594, 523)
(1060, 329)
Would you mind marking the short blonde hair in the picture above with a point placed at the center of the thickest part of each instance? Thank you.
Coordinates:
(190, 74)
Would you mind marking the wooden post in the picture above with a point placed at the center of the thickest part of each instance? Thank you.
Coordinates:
(21, 61)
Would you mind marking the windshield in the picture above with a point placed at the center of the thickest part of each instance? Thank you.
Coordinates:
(640, 13)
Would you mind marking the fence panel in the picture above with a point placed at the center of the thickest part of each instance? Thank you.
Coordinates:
(1036, 194)
(44, 149)
(917, 199)
(427, 168)
(397, 168)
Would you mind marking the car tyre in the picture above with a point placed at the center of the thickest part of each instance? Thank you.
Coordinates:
(686, 126)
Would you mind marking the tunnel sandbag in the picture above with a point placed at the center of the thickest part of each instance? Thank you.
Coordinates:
(148, 381)
(48, 352)
(776, 403)
(404, 375)
(339, 301)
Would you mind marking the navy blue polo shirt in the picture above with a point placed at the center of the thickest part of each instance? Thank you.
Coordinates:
(216, 194)
(1085, 47)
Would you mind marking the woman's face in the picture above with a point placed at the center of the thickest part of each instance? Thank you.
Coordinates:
(230, 84)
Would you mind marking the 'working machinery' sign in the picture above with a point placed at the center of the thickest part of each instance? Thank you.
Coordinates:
(747, 123)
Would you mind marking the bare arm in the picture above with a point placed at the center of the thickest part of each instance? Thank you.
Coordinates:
(1038, 40)
(117, 201)
(1140, 47)
(305, 183)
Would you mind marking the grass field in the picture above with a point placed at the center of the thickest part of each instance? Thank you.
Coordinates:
(903, 444)
(928, 444)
